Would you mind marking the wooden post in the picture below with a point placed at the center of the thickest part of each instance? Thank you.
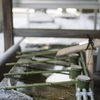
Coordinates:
(95, 18)
(98, 61)
(28, 18)
(89, 64)
(0, 15)
(7, 23)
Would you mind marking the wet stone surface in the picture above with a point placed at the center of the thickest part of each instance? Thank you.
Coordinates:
(51, 92)
(59, 93)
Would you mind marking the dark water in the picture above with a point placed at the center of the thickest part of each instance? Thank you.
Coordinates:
(58, 92)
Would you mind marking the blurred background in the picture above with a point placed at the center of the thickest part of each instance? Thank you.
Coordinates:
(26, 16)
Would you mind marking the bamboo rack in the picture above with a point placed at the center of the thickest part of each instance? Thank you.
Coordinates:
(9, 64)
(36, 54)
(43, 53)
(19, 52)
(39, 84)
(35, 72)
(24, 52)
